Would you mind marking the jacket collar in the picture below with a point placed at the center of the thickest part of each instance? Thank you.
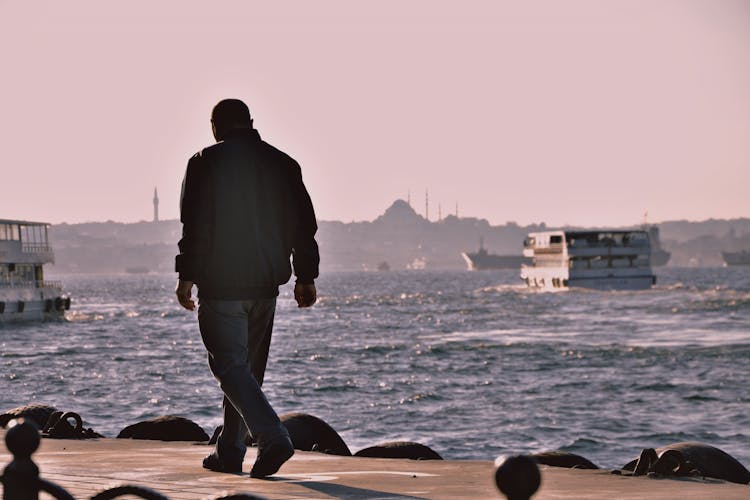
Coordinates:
(249, 133)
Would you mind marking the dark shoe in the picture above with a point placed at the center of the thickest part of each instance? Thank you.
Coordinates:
(214, 463)
(272, 456)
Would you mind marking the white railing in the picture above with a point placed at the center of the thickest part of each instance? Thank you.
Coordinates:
(35, 248)
(30, 284)
(49, 284)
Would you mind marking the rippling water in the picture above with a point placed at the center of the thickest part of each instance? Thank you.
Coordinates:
(472, 364)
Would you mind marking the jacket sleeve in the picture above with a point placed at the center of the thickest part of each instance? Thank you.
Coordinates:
(305, 255)
(195, 215)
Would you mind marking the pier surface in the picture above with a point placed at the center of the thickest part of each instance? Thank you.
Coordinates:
(174, 470)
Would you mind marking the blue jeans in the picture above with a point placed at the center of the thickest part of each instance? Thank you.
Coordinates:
(237, 335)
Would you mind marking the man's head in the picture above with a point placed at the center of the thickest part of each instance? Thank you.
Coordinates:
(228, 115)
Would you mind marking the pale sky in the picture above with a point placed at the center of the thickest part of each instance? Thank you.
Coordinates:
(576, 112)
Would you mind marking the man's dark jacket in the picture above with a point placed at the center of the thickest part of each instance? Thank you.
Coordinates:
(244, 211)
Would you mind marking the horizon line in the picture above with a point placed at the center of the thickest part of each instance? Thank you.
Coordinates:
(451, 216)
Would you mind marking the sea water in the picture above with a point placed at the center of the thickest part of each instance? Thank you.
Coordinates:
(472, 364)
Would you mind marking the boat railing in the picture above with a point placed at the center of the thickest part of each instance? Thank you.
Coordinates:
(35, 248)
(622, 251)
(30, 284)
(606, 243)
(49, 284)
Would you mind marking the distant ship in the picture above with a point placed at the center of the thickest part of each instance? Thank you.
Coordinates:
(137, 270)
(418, 264)
(481, 259)
(741, 258)
(659, 256)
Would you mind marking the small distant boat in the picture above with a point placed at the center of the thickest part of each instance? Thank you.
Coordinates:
(741, 258)
(482, 259)
(384, 266)
(24, 293)
(136, 270)
(603, 259)
(418, 264)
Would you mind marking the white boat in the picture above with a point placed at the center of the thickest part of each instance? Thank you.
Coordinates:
(602, 259)
(24, 293)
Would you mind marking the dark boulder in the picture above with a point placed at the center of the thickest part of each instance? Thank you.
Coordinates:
(165, 428)
(309, 433)
(563, 459)
(400, 449)
(690, 458)
(38, 413)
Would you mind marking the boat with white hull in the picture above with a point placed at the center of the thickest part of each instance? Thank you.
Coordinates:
(600, 259)
(24, 293)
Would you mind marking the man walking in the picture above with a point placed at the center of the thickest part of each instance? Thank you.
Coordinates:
(244, 212)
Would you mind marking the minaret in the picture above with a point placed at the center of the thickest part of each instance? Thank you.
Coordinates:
(156, 206)
(426, 205)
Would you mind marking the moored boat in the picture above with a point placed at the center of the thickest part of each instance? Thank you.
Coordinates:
(741, 258)
(659, 256)
(24, 293)
(482, 259)
(601, 259)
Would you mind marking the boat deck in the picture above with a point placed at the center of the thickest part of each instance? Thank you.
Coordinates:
(174, 470)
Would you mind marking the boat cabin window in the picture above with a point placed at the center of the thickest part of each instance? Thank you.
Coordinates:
(34, 235)
(577, 242)
(638, 239)
(24, 272)
(606, 239)
(555, 239)
(9, 232)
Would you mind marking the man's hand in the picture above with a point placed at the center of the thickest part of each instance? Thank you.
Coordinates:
(183, 291)
(305, 294)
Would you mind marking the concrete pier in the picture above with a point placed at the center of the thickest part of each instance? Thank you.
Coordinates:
(174, 469)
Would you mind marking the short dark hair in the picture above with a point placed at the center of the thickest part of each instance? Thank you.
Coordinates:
(230, 113)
